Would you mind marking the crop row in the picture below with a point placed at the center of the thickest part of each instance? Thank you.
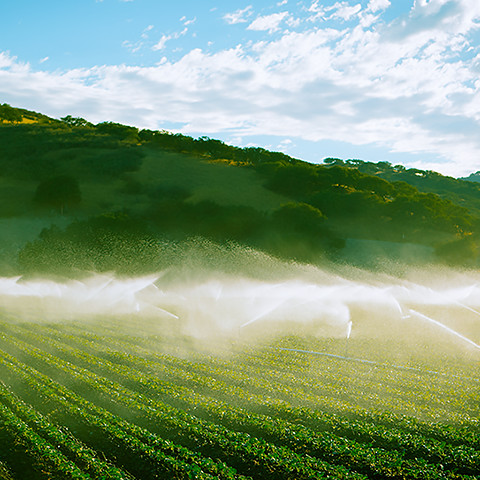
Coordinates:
(254, 455)
(397, 438)
(61, 439)
(250, 385)
(5, 472)
(296, 437)
(145, 454)
(345, 384)
(39, 452)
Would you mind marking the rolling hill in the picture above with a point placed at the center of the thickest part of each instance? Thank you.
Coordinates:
(68, 187)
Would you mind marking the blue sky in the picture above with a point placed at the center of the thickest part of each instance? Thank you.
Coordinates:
(394, 80)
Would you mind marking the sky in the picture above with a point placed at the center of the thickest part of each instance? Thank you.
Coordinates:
(377, 80)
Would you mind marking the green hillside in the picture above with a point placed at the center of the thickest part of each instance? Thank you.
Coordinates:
(90, 190)
(473, 177)
(458, 190)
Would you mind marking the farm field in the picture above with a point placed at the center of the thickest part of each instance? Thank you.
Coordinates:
(125, 398)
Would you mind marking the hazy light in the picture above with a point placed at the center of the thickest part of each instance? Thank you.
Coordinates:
(206, 304)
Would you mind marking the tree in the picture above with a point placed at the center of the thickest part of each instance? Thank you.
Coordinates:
(125, 133)
(9, 114)
(58, 192)
(299, 231)
(76, 121)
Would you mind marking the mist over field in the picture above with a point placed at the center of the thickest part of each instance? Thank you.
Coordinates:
(216, 242)
(220, 294)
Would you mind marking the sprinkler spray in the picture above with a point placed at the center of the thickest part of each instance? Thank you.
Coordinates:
(349, 331)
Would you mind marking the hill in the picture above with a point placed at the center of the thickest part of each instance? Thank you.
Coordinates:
(455, 189)
(111, 196)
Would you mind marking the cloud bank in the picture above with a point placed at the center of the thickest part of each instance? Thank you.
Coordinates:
(342, 73)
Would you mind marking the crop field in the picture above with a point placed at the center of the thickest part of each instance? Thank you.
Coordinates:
(123, 398)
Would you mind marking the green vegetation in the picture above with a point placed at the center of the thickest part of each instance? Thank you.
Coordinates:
(170, 187)
(115, 400)
(58, 192)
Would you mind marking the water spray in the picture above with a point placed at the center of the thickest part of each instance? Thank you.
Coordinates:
(349, 331)
(441, 325)
(466, 307)
(212, 304)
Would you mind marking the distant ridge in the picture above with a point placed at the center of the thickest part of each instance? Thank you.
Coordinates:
(473, 177)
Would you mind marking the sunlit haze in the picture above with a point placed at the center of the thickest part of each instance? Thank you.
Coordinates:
(209, 305)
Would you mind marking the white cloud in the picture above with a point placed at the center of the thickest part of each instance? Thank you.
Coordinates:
(284, 145)
(317, 12)
(188, 22)
(6, 60)
(268, 22)
(283, 2)
(407, 87)
(367, 20)
(160, 45)
(315, 8)
(340, 10)
(144, 34)
(344, 10)
(239, 16)
(43, 60)
(376, 5)
(452, 16)
(293, 22)
(133, 47)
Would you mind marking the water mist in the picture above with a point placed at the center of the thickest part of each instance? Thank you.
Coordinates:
(211, 303)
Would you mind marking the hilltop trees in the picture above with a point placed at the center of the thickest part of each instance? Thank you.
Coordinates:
(9, 114)
(284, 206)
(76, 121)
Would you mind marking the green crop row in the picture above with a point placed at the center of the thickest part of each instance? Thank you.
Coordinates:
(48, 461)
(254, 455)
(235, 383)
(62, 439)
(463, 458)
(145, 453)
(5, 473)
(297, 437)
(143, 405)
(401, 391)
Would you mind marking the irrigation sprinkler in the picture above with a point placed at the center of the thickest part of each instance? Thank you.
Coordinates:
(467, 308)
(167, 313)
(349, 331)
